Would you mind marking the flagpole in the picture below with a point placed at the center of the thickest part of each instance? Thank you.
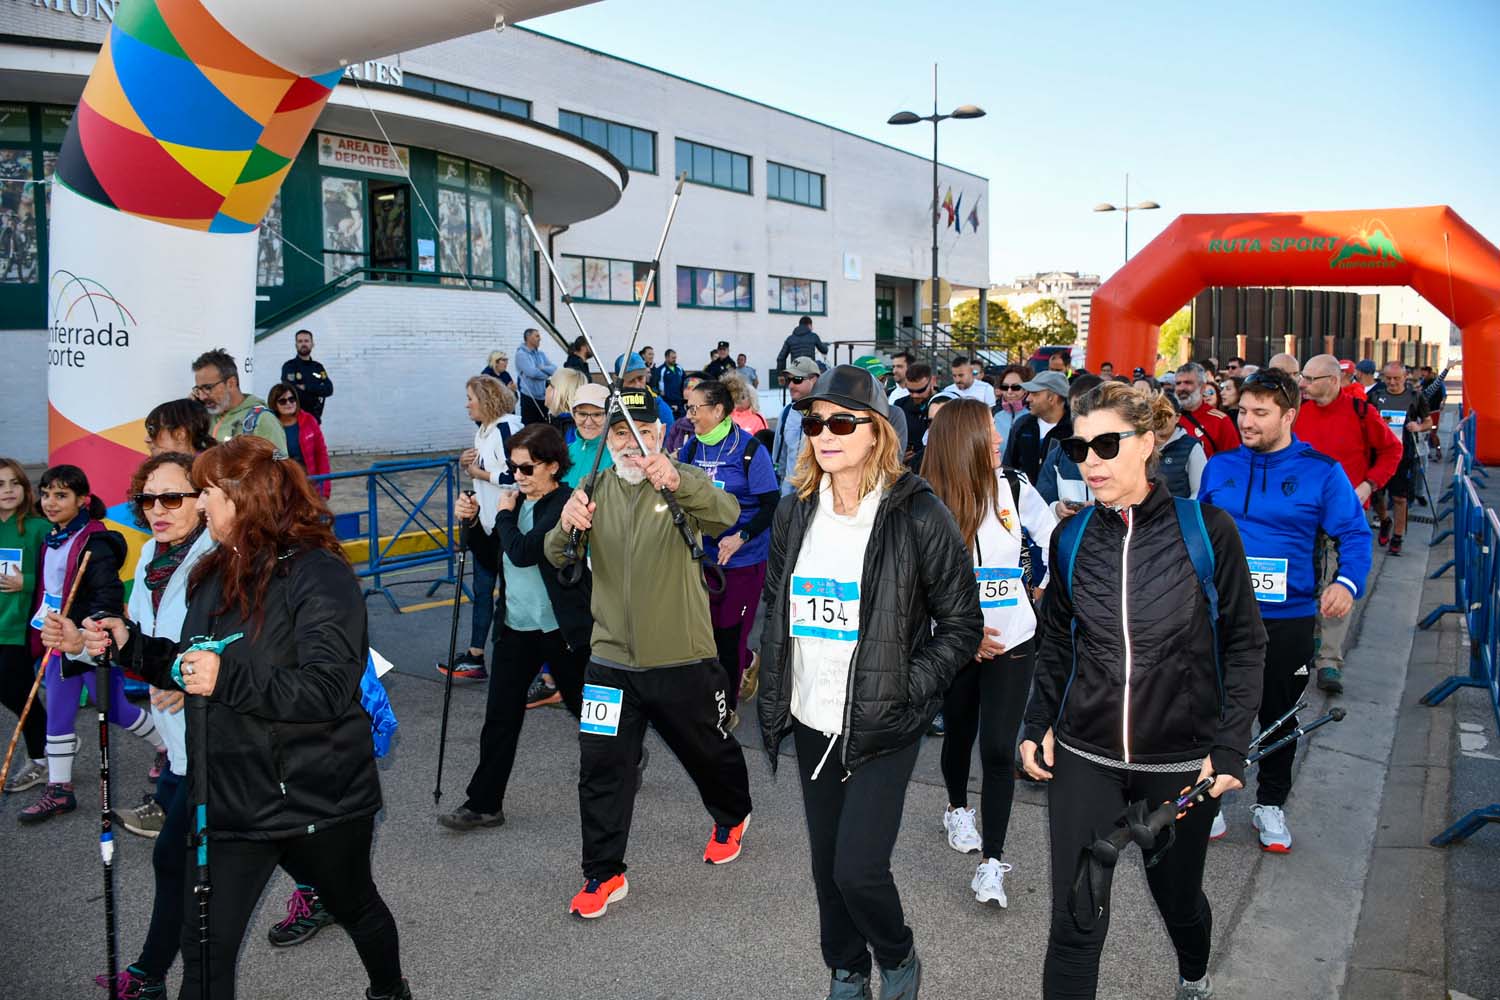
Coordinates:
(935, 211)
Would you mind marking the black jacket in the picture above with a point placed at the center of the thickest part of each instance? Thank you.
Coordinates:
(801, 343)
(570, 605)
(287, 741)
(312, 383)
(919, 622)
(99, 592)
(1026, 447)
(1179, 709)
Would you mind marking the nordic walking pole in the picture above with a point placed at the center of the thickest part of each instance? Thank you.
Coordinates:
(203, 888)
(458, 593)
(36, 684)
(1268, 730)
(106, 822)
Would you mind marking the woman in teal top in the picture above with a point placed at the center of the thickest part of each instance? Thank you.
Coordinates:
(587, 436)
(21, 531)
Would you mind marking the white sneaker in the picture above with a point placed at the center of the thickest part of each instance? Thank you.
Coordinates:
(989, 883)
(962, 836)
(1271, 822)
(1219, 827)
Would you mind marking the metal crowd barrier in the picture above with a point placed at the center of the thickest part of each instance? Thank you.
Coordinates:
(418, 520)
(1476, 596)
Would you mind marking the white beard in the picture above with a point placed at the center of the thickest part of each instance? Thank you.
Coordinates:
(629, 473)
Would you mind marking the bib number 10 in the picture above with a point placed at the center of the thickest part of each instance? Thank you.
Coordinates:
(601, 710)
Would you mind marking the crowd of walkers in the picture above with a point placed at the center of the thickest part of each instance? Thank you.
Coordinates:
(1107, 582)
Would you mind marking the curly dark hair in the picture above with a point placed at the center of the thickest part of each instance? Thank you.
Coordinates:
(143, 473)
(187, 415)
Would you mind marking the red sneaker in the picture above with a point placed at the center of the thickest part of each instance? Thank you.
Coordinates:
(724, 843)
(595, 896)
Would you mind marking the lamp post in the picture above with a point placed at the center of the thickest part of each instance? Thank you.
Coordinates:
(1127, 208)
(911, 118)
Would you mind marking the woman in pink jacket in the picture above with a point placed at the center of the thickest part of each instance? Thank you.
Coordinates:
(304, 438)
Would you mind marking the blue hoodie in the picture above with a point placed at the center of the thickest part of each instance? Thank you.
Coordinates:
(1280, 501)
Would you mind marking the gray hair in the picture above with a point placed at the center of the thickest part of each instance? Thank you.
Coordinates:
(1194, 368)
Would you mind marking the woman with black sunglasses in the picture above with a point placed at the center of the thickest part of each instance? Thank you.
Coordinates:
(1140, 691)
(540, 621)
(871, 609)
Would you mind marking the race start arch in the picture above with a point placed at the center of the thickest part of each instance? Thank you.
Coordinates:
(1431, 249)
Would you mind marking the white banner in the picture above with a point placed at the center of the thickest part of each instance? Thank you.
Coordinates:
(349, 153)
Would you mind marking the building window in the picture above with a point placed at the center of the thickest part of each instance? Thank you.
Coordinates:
(713, 166)
(803, 187)
(797, 295)
(634, 147)
(706, 288)
(485, 99)
(601, 279)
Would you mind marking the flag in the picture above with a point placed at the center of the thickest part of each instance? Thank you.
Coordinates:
(948, 206)
(974, 214)
(958, 214)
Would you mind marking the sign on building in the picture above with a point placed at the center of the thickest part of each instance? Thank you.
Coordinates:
(349, 153)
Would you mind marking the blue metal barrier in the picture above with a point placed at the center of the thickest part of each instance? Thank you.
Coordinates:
(416, 514)
(1476, 595)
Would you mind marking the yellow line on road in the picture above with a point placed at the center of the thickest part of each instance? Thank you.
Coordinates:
(427, 605)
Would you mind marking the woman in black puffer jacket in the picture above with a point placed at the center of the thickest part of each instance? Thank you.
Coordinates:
(871, 607)
(279, 745)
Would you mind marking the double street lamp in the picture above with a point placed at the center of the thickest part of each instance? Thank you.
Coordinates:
(1127, 208)
(912, 118)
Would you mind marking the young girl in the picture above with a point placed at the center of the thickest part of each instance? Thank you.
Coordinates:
(76, 518)
(21, 532)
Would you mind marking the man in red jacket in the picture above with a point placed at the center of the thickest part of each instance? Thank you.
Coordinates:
(1349, 430)
(1213, 428)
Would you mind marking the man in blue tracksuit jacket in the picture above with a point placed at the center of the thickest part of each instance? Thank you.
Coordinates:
(1283, 494)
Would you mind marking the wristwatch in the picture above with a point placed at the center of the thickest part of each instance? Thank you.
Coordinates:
(744, 535)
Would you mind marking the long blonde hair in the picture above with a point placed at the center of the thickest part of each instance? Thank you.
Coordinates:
(957, 464)
(884, 464)
(1143, 409)
(565, 383)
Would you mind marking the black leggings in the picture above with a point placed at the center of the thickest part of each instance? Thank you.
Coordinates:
(1083, 801)
(17, 674)
(336, 859)
(987, 699)
(169, 860)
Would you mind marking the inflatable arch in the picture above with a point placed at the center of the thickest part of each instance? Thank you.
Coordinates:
(188, 124)
(1431, 249)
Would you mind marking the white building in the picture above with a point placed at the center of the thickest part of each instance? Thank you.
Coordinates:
(783, 216)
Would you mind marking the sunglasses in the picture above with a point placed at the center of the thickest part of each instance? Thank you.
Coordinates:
(1106, 445)
(1279, 386)
(524, 468)
(169, 501)
(1011, 387)
(840, 424)
(799, 379)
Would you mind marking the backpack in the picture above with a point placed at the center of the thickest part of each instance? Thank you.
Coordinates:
(1200, 551)
(752, 445)
(1033, 559)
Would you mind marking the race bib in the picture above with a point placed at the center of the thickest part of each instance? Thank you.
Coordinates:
(601, 710)
(50, 602)
(999, 586)
(1268, 579)
(1395, 418)
(10, 562)
(719, 483)
(823, 608)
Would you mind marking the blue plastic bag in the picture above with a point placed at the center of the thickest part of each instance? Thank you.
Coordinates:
(382, 717)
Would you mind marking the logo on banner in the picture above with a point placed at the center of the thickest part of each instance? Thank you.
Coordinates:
(1369, 247)
(84, 314)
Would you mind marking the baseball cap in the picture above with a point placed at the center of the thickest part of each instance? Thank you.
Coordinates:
(1347, 367)
(592, 394)
(803, 368)
(1048, 381)
(873, 365)
(1366, 366)
(851, 386)
(639, 403)
(636, 363)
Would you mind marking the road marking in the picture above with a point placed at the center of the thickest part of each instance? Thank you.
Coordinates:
(428, 605)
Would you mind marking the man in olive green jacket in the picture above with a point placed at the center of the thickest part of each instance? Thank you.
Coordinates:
(653, 650)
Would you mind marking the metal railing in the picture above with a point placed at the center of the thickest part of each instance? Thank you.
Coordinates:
(1476, 596)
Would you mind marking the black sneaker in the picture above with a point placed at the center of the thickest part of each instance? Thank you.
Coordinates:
(463, 818)
(543, 691)
(305, 916)
(469, 666)
(1384, 537)
(403, 992)
(1395, 546)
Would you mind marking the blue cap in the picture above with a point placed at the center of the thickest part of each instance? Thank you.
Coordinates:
(635, 364)
(1366, 366)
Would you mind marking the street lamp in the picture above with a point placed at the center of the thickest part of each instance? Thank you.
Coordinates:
(1127, 208)
(911, 118)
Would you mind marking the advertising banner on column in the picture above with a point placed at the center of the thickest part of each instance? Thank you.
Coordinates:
(130, 304)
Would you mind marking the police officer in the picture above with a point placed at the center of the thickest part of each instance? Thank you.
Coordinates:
(308, 377)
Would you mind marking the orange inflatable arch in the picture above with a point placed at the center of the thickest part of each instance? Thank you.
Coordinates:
(1431, 249)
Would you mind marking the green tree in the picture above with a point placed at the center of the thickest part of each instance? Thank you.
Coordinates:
(1175, 333)
(1005, 327)
(1047, 323)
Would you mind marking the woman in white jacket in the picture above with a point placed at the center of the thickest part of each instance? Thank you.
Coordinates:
(1008, 528)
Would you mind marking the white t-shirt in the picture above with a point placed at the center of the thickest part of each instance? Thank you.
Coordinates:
(488, 441)
(978, 389)
(823, 617)
(1003, 599)
(1046, 426)
(897, 394)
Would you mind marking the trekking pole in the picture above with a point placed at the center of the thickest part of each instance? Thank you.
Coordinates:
(572, 571)
(36, 682)
(203, 887)
(1268, 730)
(106, 821)
(458, 592)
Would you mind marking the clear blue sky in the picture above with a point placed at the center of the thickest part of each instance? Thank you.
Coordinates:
(1270, 106)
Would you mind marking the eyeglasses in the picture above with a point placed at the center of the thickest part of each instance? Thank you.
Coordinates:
(592, 416)
(693, 408)
(169, 501)
(1011, 387)
(524, 468)
(1280, 385)
(1303, 376)
(205, 389)
(1106, 445)
(840, 424)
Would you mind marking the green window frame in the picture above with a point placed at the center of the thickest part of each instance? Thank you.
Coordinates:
(715, 288)
(795, 185)
(714, 167)
(607, 280)
(796, 296)
(634, 147)
(486, 99)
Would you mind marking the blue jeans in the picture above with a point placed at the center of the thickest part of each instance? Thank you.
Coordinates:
(484, 605)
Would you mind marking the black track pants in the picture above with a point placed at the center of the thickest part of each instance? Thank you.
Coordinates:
(1289, 656)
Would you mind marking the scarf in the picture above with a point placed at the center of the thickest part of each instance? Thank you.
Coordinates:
(60, 533)
(165, 563)
(1013, 407)
(719, 433)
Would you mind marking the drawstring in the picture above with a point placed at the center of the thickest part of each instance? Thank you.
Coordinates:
(832, 739)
